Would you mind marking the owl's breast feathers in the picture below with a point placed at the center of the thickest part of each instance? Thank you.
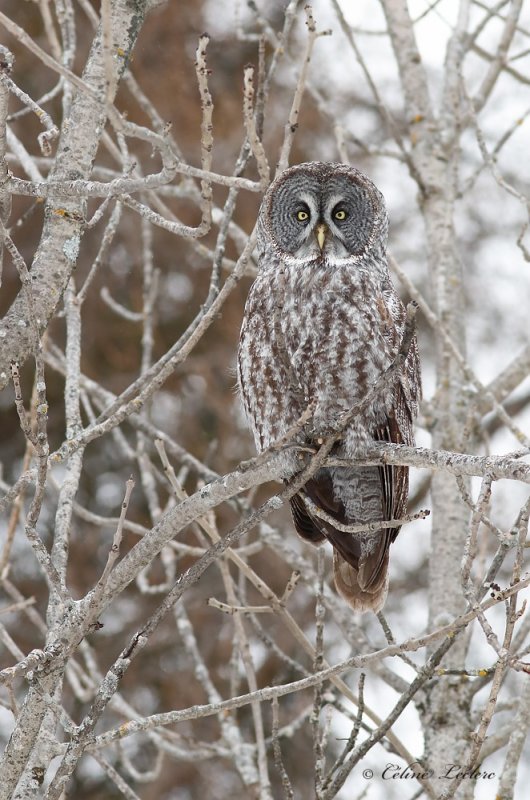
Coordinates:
(316, 334)
(324, 334)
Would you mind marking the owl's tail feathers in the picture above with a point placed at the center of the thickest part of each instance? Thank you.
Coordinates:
(355, 584)
(360, 561)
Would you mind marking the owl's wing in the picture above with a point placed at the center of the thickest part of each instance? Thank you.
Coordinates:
(371, 563)
(303, 522)
(364, 576)
(360, 571)
(399, 429)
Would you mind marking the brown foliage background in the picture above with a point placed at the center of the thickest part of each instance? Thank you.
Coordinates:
(198, 406)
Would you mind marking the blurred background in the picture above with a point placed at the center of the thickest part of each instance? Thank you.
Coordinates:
(198, 406)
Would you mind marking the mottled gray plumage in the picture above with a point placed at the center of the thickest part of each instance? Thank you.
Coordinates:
(322, 322)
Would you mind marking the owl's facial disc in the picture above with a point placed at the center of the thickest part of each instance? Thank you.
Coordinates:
(348, 210)
(323, 212)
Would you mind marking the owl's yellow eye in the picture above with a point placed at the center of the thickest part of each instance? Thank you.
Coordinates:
(340, 215)
(302, 216)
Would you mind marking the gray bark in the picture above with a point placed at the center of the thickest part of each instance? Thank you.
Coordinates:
(52, 267)
(446, 713)
(81, 132)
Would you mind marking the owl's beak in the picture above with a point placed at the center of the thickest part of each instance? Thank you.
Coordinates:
(321, 235)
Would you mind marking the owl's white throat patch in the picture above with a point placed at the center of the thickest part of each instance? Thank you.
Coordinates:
(340, 261)
(318, 258)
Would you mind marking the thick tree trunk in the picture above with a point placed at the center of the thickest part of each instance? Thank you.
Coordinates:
(445, 714)
(64, 217)
(53, 264)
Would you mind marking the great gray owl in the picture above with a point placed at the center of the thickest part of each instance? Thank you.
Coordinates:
(322, 322)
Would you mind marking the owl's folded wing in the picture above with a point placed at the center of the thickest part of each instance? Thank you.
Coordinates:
(366, 556)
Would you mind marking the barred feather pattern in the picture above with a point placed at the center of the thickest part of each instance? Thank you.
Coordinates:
(321, 325)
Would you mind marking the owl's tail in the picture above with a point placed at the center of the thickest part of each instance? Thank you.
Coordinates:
(351, 584)
(360, 561)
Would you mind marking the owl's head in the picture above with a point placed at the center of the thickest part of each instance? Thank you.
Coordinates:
(327, 212)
